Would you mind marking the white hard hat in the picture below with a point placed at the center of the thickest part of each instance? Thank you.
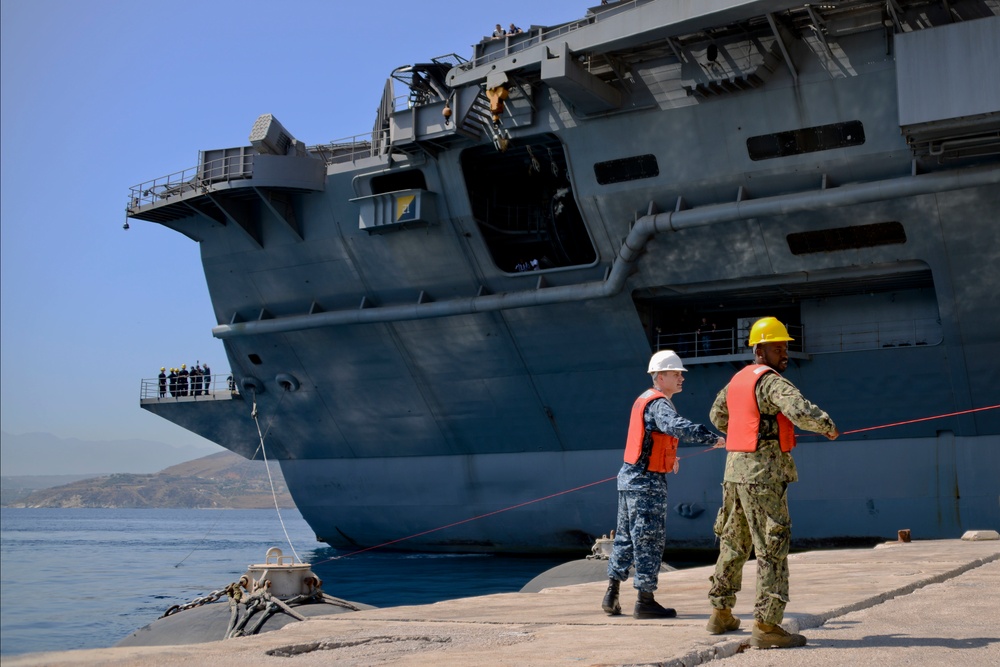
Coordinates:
(665, 360)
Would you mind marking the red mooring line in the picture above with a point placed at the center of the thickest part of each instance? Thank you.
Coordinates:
(602, 481)
(922, 419)
(474, 518)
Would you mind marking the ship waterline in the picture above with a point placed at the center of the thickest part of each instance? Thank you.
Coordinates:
(443, 323)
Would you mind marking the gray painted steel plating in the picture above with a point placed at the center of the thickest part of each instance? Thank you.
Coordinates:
(643, 230)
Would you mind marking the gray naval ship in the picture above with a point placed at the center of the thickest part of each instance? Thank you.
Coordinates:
(442, 323)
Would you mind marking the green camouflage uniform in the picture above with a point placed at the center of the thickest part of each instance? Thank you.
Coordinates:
(754, 504)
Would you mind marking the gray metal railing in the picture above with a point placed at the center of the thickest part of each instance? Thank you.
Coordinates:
(820, 340)
(353, 148)
(192, 388)
(192, 179)
(719, 342)
(875, 335)
(529, 38)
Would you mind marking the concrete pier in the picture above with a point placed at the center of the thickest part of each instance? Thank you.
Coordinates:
(916, 603)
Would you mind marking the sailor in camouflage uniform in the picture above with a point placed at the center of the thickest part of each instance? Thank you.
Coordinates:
(650, 453)
(758, 411)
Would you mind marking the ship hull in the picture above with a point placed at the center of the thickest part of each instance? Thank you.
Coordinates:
(440, 327)
(559, 503)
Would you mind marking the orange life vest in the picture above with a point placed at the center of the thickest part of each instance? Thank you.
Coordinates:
(664, 446)
(744, 415)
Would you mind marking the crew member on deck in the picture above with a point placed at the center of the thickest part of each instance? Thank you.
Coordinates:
(196, 380)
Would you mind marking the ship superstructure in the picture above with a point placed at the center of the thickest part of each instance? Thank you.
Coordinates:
(451, 314)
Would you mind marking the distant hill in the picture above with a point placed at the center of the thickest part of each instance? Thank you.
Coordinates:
(223, 480)
(46, 454)
(16, 487)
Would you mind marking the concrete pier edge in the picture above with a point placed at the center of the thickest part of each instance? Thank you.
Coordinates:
(565, 624)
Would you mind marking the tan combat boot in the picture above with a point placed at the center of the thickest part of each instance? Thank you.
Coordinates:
(722, 621)
(774, 636)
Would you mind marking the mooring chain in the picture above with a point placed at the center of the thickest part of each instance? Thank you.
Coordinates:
(260, 600)
(197, 602)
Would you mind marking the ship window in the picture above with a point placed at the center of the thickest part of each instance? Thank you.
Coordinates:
(806, 140)
(626, 169)
(846, 238)
(254, 359)
(394, 181)
(522, 201)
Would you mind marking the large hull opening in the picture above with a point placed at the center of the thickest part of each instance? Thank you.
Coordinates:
(523, 201)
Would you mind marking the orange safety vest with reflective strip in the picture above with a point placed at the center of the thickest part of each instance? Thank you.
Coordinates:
(744, 414)
(664, 451)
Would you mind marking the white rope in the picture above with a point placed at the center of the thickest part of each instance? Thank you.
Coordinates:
(263, 453)
(274, 495)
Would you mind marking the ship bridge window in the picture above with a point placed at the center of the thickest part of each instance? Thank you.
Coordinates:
(806, 140)
(846, 238)
(523, 203)
(626, 169)
(394, 181)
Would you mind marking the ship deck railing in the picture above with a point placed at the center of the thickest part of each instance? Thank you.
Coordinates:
(353, 148)
(875, 335)
(216, 387)
(204, 177)
(486, 53)
(729, 344)
(192, 179)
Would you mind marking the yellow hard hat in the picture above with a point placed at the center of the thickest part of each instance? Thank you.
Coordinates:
(184, 365)
(768, 330)
(163, 368)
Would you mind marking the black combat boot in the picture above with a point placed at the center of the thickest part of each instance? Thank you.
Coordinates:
(610, 604)
(647, 607)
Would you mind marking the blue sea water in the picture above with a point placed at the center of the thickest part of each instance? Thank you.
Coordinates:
(86, 578)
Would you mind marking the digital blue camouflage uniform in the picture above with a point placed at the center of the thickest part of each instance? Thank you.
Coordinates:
(640, 534)
(754, 504)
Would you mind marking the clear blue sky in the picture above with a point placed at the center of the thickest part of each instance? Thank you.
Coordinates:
(100, 95)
